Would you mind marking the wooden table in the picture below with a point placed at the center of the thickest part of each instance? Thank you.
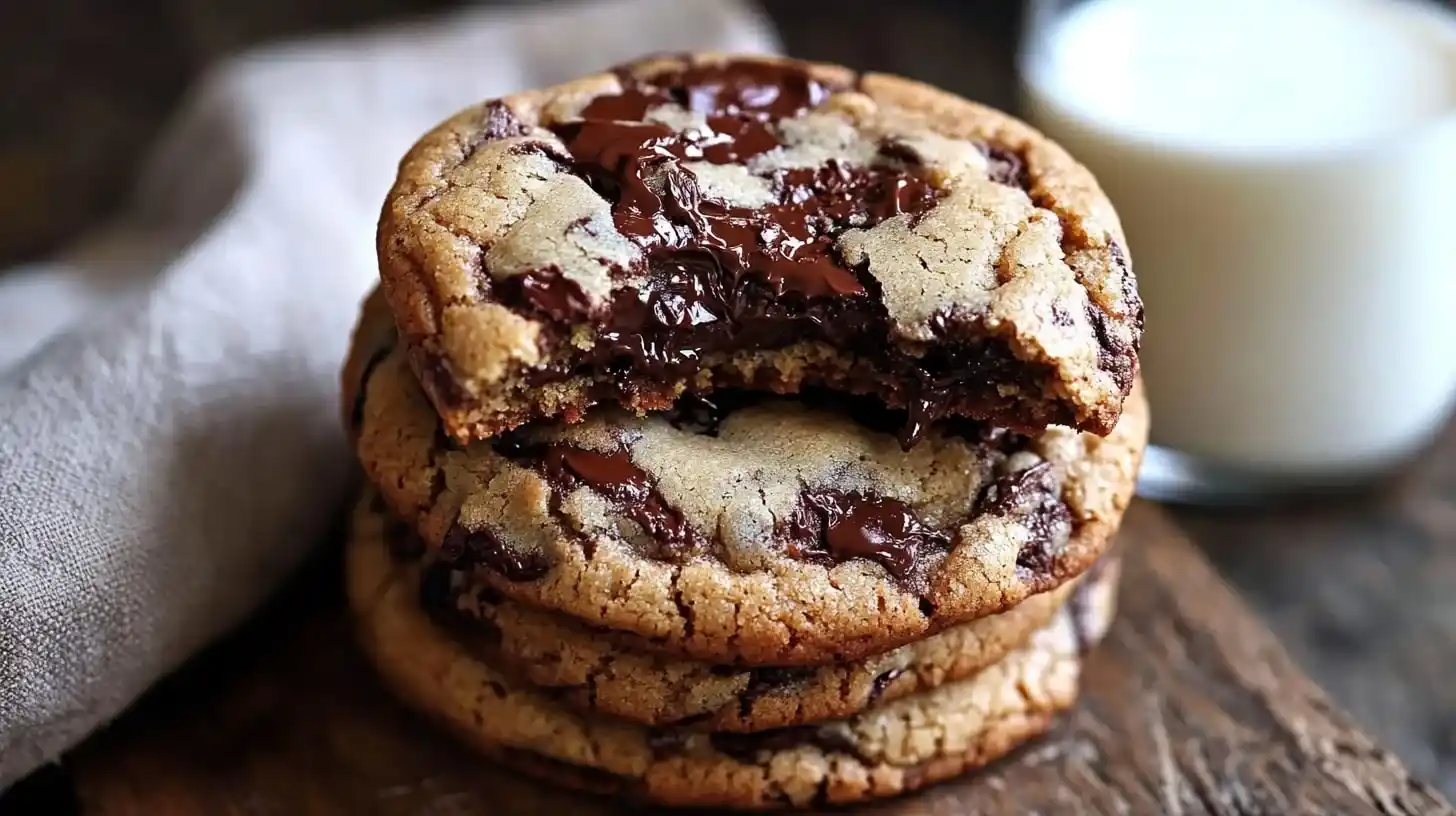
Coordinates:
(1361, 590)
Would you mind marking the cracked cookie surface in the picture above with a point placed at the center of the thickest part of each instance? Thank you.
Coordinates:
(599, 671)
(886, 750)
(774, 534)
(702, 221)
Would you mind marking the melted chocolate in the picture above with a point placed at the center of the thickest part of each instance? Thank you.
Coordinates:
(1034, 496)
(545, 292)
(463, 548)
(834, 526)
(435, 375)
(1116, 356)
(746, 748)
(721, 278)
(1128, 284)
(615, 478)
(627, 487)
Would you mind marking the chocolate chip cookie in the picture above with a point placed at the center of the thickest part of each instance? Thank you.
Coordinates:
(598, 671)
(768, 531)
(883, 751)
(706, 221)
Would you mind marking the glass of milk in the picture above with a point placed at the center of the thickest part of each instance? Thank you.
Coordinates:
(1285, 171)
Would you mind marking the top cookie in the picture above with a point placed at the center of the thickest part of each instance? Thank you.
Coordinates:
(699, 221)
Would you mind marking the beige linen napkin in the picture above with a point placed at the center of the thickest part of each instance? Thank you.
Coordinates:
(168, 442)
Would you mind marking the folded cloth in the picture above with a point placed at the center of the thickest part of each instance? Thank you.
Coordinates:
(169, 447)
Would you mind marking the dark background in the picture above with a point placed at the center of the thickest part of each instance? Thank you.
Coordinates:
(1361, 588)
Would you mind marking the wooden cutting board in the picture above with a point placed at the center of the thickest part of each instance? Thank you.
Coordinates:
(1189, 707)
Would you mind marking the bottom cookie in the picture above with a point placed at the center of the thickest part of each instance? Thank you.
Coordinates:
(883, 751)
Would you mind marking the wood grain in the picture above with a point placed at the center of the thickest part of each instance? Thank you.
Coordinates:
(1360, 588)
(1190, 707)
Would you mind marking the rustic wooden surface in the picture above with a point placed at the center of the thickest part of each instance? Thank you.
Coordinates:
(1361, 590)
(1190, 707)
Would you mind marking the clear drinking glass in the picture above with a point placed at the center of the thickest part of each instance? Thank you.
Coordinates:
(1284, 170)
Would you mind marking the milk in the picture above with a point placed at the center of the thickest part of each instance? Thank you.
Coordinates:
(1286, 174)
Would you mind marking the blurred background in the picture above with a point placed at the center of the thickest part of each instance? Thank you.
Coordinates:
(1359, 585)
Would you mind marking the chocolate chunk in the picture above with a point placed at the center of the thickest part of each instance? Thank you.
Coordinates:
(434, 373)
(836, 526)
(626, 486)
(747, 748)
(883, 682)
(500, 122)
(761, 681)
(1014, 492)
(1132, 302)
(544, 291)
(464, 548)
(1114, 355)
(1033, 496)
(1005, 167)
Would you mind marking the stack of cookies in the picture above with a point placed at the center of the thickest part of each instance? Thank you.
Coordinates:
(741, 431)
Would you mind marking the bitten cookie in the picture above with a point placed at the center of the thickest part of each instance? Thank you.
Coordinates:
(883, 751)
(692, 222)
(595, 670)
(770, 532)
